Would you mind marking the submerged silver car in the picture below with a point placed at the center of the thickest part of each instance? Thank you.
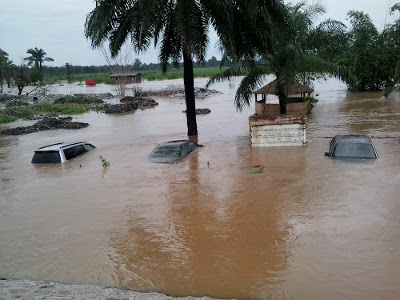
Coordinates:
(351, 146)
(172, 151)
(60, 152)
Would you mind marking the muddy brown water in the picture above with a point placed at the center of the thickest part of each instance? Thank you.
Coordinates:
(306, 227)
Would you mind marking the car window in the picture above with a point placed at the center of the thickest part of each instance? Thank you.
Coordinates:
(354, 150)
(42, 157)
(88, 147)
(192, 146)
(167, 152)
(74, 152)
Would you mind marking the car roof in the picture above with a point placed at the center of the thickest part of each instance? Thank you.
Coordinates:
(174, 143)
(58, 146)
(357, 139)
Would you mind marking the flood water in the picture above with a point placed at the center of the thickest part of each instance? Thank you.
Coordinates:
(306, 227)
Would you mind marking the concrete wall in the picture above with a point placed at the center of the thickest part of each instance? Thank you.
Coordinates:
(273, 109)
(279, 131)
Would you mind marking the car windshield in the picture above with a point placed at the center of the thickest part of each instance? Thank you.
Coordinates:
(167, 152)
(46, 157)
(355, 150)
(88, 147)
(192, 146)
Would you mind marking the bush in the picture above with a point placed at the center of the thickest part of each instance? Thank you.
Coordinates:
(17, 103)
(311, 104)
(7, 119)
(79, 100)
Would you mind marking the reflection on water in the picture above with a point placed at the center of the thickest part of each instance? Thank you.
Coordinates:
(301, 226)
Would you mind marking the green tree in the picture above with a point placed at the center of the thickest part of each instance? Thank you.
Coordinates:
(137, 64)
(20, 76)
(68, 68)
(362, 57)
(179, 26)
(35, 76)
(292, 53)
(37, 58)
(5, 69)
(391, 43)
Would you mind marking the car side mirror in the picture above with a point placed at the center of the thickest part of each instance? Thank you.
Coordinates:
(328, 154)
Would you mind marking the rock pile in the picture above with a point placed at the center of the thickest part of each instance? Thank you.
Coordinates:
(46, 124)
(200, 111)
(130, 104)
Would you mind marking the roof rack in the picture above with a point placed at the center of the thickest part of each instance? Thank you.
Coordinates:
(51, 145)
(68, 145)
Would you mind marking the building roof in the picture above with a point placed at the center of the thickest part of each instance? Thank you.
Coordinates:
(297, 88)
(126, 74)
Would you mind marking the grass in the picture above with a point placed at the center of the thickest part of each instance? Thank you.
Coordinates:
(98, 77)
(17, 103)
(12, 113)
(78, 100)
(146, 74)
(6, 118)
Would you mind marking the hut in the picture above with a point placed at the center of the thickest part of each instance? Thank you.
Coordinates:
(296, 102)
(126, 78)
(269, 128)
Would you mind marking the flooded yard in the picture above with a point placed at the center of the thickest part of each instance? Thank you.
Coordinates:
(303, 226)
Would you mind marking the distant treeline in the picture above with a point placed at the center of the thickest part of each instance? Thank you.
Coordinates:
(135, 67)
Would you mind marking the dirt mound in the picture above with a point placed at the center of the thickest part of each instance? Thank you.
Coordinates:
(46, 124)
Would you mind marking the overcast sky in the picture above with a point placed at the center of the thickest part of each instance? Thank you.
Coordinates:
(57, 26)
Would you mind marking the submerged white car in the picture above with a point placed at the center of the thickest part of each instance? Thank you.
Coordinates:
(60, 152)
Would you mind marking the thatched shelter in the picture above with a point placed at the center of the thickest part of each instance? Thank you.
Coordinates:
(296, 103)
(296, 89)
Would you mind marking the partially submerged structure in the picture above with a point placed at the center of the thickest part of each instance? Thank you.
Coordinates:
(296, 102)
(126, 78)
(269, 128)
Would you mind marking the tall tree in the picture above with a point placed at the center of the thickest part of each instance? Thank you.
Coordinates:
(292, 51)
(391, 37)
(180, 26)
(5, 69)
(21, 78)
(37, 58)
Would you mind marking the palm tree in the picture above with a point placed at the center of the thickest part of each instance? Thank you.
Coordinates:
(181, 27)
(5, 65)
(37, 58)
(293, 51)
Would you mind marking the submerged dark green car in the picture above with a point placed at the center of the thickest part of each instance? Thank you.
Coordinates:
(172, 152)
(351, 146)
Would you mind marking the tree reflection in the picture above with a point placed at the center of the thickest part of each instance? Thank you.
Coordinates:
(218, 230)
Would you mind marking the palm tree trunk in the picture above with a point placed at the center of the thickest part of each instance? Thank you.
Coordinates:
(282, 95)
(188, 80)
(390, 89)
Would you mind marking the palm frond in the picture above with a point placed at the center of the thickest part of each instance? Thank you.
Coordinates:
(227, 74)
(247, 86)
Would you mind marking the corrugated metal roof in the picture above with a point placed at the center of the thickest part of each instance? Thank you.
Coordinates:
(127, 74)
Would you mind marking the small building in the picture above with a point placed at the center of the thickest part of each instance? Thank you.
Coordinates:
(296, 103)
(126, 78)
(269, 128)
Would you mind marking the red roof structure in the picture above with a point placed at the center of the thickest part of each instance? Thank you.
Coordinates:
(90, 82)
